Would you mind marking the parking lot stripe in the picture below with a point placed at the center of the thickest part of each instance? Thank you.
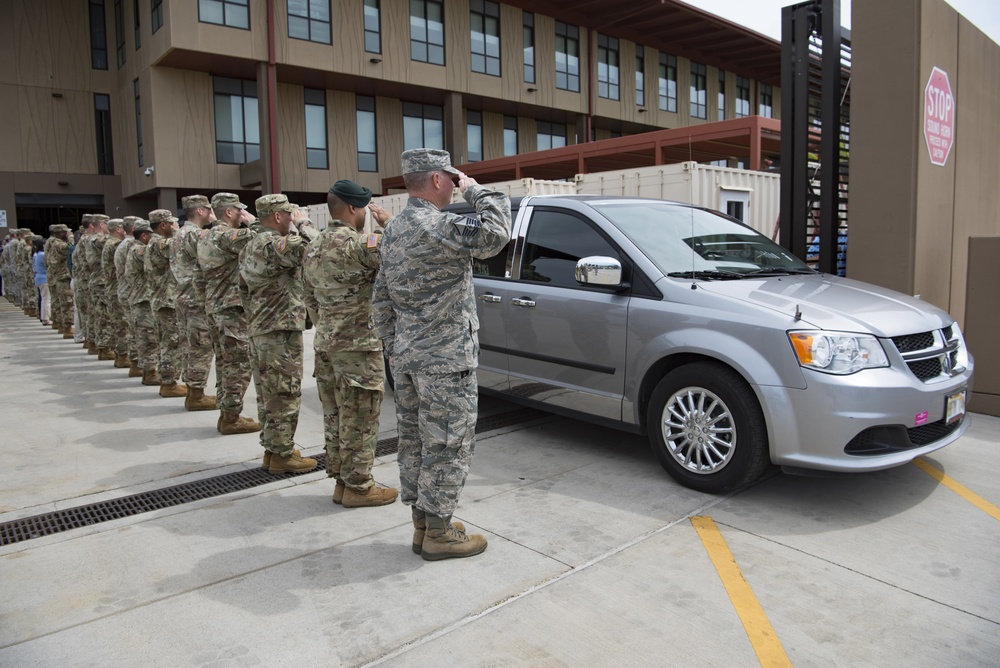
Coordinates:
(765, 642)
(961, 490)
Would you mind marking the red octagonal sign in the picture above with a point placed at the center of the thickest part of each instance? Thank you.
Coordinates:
(939, 117)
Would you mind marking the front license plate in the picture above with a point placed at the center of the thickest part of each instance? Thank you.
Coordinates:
(954, 407)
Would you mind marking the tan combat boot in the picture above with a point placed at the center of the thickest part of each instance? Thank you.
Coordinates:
(293, 463)
(91, 347)
(234, 423)
(104, 354)
(134, 371)
(373, 496)
(197, 400)
(443, 540)
(67, 332)
(122, 362)
(174, 389)
(420, 528)
(150, 377)
(338, 492)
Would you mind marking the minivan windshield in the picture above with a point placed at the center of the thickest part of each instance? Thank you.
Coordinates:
(687, 242)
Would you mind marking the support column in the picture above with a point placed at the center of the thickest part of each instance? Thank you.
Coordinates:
(455, 136)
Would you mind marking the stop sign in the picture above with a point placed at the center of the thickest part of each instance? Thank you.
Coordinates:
(939, 116)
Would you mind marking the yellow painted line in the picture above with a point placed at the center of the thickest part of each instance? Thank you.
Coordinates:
(958, 488)
(765, 642)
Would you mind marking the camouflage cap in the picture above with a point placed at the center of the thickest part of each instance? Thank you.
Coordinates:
(53, 228)
(141, 226)
(272, 204)
(86, 219)
(25, 232)
(194, 201)
(223, 200)
(59, 227)
(99, 218)
(427, 160)
(115, 224)
(351, 193)
(157, 216)
(131, 219)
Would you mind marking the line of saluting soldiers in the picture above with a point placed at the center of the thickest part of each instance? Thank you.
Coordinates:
(158, 298)
(17, 270)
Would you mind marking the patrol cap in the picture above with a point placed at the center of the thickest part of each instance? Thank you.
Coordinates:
(427, 160)
(272, 204)
(351, 193)
(115, 224)
(157, 216)
(141, 226)
(194, 201)
(223, 200)
(86, 219)
(131, 219)
(99, 218)
(53, 228)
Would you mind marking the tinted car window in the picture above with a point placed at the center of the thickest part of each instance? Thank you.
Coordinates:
(554, 244)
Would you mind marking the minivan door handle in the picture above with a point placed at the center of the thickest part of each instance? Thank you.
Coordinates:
(489, 297)
(522, 301)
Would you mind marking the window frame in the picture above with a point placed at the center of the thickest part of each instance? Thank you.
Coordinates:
(484, 11)
(528, 52)
(721, 97)
(742, 102)
(104, 134)
(376, 33)
(138, 25)
(550, 133)
(365, 104)
(136, 89)
(699, 90)
(156, 14)
(765, 109)
(120, 32)
(608, 67)
(430, 48)
(667, 82)
(310, 22)
(509, 121)
(567, 35)
(248, 91)
(474, 129)
(225, 6)
(318, 99)
(426, 113)
(98, 33)
(640, 75)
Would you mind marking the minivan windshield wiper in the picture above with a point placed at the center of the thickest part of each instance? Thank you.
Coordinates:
(775, 271)
(707, 274)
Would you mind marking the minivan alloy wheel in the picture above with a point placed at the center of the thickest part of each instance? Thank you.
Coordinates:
(698, 430)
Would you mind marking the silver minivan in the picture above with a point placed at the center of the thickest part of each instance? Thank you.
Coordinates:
(727, 351)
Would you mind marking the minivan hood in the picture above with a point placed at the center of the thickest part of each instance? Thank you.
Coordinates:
(834, 303)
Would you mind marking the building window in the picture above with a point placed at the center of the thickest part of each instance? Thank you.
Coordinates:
(509, 135)
(316, 156)
(120, 32)
(528, 35)
(567, 57)
(485, 36)
(309, 20)
(722, 95)
(427, 31)
(423, 126)
(105, 152)
(98, 36)
(138, 120)
(766, 107)
(640, 76)
(138, 25)
(474, 133)
(237, 132)
(157, 14)
(742, 97)
(373, 27)
(367, 137)
(607, 67)
(551, 135)
(668, 82)
(232, 13)
(699, 94)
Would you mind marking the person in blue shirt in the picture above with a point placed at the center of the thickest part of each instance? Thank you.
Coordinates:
(41, 284)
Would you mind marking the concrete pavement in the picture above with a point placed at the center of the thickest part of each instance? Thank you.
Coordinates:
(593, 559)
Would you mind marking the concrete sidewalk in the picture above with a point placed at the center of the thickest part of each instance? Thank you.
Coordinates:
(592, 559)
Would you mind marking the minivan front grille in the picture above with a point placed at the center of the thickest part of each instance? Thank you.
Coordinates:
(926, 369)
(893, 438)
(931, 355)
(912, 342)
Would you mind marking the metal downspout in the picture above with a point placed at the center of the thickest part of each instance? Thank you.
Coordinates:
(272, 110)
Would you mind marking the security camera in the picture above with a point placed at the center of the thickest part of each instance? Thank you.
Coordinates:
(149, 171)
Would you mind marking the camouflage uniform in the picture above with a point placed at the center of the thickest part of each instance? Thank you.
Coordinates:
(93, 247)
(163, 299)
(339, 271)
(273, 293)
(425, 312)
(142, 312)
(81, 277)
(197, 337)
(117, 323)
(122, 252)
(218, 259)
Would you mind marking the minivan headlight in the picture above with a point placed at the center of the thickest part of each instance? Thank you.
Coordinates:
(840, 353)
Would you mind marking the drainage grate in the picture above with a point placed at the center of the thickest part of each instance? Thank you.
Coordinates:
(37, 526)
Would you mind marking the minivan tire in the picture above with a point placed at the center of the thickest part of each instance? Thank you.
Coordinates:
(707, 429)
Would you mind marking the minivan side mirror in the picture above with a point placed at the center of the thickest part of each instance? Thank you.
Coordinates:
(599, 270)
